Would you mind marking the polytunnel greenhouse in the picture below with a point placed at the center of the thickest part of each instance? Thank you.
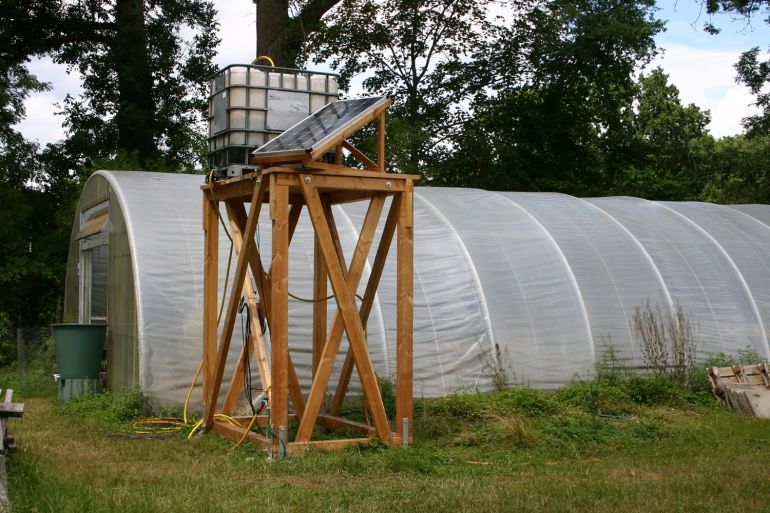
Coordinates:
(536, 285)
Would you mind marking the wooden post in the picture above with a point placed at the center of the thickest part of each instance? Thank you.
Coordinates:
(319, 305)
(404, 313)
(381, 143)
(232, 306)
(210, 289)
(279, 313)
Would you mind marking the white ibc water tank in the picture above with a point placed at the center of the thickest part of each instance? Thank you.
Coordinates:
(249, 105)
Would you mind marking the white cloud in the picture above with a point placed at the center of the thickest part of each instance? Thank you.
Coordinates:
(707, 79)
(42, 124)
(237, 30)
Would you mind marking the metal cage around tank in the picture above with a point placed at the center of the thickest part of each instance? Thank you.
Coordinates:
(250, 105)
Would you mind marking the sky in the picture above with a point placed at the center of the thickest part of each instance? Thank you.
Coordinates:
(699, 64)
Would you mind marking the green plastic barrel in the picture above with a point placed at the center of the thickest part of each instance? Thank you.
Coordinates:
(79, 349)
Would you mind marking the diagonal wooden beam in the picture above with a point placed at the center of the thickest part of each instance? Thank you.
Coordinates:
(237, 212)
(366, 161)
(256, 341)
(347, 316)
(366, 305)
(232, 306)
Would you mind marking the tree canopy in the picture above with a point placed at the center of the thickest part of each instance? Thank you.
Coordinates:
(541, 95)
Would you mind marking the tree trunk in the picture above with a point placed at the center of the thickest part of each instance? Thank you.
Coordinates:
(279, 36)
(135, 113)
(272, 24)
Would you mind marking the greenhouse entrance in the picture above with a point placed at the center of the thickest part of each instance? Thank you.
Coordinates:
(94, 263)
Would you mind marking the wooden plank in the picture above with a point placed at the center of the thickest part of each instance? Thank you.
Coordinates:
(320, 291)
(381, 143)
(354, 183)
(279, 307)
(404, 314)
(332, 224)
(232, 307)
(5, 502)
(331, 346)
(238, 213)
(366, 305)
(261, 421)
(332, 168)
(344, 293)
(358, 154)
(11, 409)
(339, 197)
(235, 434)
(333, 422)
(256, 343)
(351, 172)
(338, 154)
(325, 445)
(210, 290)
(234, 188)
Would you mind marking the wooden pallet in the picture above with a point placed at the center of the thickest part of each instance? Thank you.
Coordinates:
(744, 388)
(8, 409)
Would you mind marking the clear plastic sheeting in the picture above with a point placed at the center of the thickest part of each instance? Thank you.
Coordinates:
(528, 287)
(699, 275)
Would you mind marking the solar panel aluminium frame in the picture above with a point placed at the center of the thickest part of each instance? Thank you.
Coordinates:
(331, 138)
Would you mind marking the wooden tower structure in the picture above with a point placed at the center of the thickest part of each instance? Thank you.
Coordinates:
(302, 170)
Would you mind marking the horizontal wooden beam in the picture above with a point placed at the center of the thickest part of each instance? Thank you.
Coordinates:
(362, 183)
(340, 171)
(333, 422)
(235, 434)
(325, 445)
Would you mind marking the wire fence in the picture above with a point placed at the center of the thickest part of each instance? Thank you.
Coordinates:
(35, 360)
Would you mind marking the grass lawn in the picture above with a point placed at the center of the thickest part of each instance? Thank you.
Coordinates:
(534, 452)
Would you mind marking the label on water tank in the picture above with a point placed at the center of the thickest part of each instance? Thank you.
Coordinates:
(286, 108)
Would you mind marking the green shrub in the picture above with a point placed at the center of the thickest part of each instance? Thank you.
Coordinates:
(462, 405)
(596, 396)
(125, 406)
(130, 404)
(388, 393)
(654, 389)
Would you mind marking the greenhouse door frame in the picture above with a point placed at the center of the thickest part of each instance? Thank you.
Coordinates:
(93, 235)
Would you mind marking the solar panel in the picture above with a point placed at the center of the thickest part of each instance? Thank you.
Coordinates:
(314, 131)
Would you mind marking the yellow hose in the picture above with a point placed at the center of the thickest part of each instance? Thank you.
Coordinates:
(264, 58)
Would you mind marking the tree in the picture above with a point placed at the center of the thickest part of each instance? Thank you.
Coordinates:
(422, 53)
(669, 148)
(752, 71)
(739, 170)
(283, 27)
(755, 74)
(144, 83)
(563, 88)
(31, 253)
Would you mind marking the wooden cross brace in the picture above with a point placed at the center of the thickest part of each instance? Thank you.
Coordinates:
(279, 377)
